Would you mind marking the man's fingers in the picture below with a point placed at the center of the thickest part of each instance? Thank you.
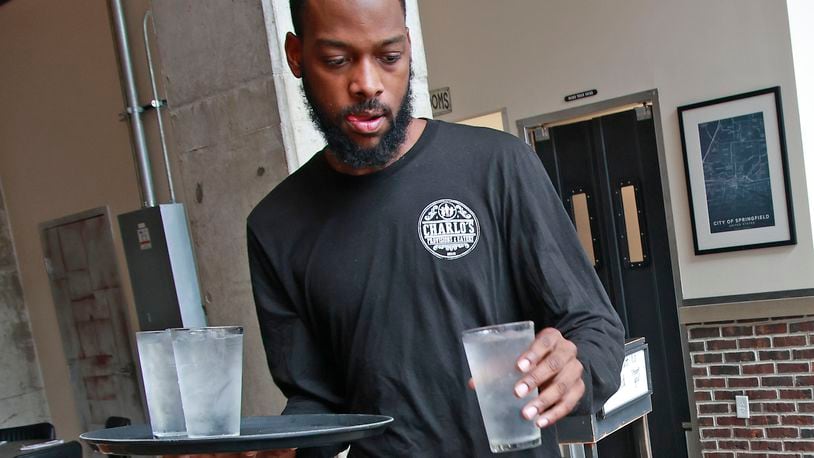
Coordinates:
(471, 384)
(561, 356)
(559, 387)
(562, 408)
(197, 455)
(285, 453)
(282, 453)
(543, 344)
(551, 365)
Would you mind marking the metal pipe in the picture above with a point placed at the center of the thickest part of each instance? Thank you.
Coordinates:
(133, 108)
(157, 103)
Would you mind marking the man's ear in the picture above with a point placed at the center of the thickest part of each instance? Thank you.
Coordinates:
(293, 53)
(409, 44)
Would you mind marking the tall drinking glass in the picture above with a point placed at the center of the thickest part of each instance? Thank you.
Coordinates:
(161, 383)
(210, 375)
(492, 354)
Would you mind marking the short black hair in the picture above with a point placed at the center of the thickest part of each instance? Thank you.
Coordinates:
(298, 13)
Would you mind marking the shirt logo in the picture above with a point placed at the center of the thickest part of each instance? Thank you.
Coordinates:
(448, 229)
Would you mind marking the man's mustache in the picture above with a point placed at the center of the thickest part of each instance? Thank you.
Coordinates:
(373, 105)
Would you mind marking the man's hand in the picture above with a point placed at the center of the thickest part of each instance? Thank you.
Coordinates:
(287, 453)
(551, 365)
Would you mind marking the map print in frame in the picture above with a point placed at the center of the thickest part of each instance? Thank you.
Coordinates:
(736, 173)
(735, 161)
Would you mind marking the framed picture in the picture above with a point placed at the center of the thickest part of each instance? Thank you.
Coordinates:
(737, 172)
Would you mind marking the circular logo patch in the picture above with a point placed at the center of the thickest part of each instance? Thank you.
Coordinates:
(448, 229)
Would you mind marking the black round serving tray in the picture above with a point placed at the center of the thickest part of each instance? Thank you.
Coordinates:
(256, 433)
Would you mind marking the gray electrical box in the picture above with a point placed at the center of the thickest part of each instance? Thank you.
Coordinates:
(162, 267)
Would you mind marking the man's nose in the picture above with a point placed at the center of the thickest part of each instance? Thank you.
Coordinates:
(366, 82)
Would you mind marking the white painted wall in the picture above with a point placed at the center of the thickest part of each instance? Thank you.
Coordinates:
(526, 55)
(801, 16)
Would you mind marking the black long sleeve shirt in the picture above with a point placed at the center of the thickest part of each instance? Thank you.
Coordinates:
(363, 285)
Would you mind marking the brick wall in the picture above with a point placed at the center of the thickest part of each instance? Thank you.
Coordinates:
(772, 362)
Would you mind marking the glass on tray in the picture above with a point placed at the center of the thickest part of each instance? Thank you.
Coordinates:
(209, 362)
(161, 383)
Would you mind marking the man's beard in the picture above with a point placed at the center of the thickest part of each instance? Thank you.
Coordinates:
(343, 147)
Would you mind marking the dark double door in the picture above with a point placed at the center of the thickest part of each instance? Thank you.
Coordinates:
(606, 170)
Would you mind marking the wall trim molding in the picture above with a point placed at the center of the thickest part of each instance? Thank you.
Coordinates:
(786, 294)
(749, 306)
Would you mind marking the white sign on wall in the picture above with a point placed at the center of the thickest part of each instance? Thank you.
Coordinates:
(441, 101)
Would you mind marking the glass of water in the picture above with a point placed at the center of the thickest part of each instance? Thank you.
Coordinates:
(210, 376)
(492, 354)
(161, 383)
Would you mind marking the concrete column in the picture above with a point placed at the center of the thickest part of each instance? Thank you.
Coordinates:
(300, 137)
(22, 397)
(227, 152)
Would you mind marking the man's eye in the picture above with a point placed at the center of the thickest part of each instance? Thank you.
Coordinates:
(335, 61)
(390, 58)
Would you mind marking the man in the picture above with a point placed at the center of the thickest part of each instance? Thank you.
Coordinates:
(369, 261)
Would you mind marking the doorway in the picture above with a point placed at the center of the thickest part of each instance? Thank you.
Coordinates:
(81, 265)
(605, 167)
(497, 120)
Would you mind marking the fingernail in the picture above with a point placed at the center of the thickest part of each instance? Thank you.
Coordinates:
(529, 412)
(521, 390)
(524, 365)
(542, 422)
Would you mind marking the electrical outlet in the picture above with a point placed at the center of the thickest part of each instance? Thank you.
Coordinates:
(742, 406)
